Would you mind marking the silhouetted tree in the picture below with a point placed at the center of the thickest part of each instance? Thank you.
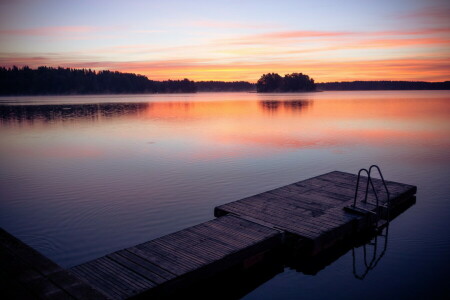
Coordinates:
(296, 82)
(270, 82)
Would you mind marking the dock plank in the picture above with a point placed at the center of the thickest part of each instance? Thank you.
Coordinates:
(198, 248)
(189, 254)
(179, 250)
(276, 221)
(161, 272)
(109, 289)
(168, 260)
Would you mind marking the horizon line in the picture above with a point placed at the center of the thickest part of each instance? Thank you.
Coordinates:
(211, 80)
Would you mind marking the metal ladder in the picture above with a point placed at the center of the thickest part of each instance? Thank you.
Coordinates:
(362, 211)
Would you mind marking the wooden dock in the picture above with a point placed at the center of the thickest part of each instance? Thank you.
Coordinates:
(27, 274)
(179, 258)
(313, 209)
(308, 213)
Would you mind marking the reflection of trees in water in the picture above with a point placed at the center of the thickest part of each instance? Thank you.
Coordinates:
(270, 105)
(290, 105)
(50, 113)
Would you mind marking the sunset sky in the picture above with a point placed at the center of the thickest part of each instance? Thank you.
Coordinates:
(233, 40)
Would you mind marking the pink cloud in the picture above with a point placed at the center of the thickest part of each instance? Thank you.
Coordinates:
(303, 34)
(50, 31)
(269, 38)
(32, 61)
(387, 43)
(226, 24)
(428, 31)
(431, 13)
(148, 31)
(293, 36)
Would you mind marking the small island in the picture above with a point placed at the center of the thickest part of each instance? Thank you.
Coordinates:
(295, 82)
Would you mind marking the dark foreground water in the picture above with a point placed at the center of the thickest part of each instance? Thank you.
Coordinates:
(83, 176)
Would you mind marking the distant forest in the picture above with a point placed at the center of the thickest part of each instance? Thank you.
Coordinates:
(67, 81)
(222, 86)
(62, 81)
(382, 85)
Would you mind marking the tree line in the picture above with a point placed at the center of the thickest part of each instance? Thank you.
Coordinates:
(383, 85)
(222, 86)
(57, 81)
(66, 81)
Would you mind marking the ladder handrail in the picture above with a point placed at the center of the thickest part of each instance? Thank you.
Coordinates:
(384, 184)
(369, 180)
(357, 184)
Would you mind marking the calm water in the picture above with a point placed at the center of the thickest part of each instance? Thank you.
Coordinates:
(83, 176)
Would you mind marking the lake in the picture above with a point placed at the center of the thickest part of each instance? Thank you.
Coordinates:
(83, 176)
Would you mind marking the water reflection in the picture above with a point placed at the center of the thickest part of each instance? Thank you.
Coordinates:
(169, 110)
(76, 112)
(289, 105)
(377, 255)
